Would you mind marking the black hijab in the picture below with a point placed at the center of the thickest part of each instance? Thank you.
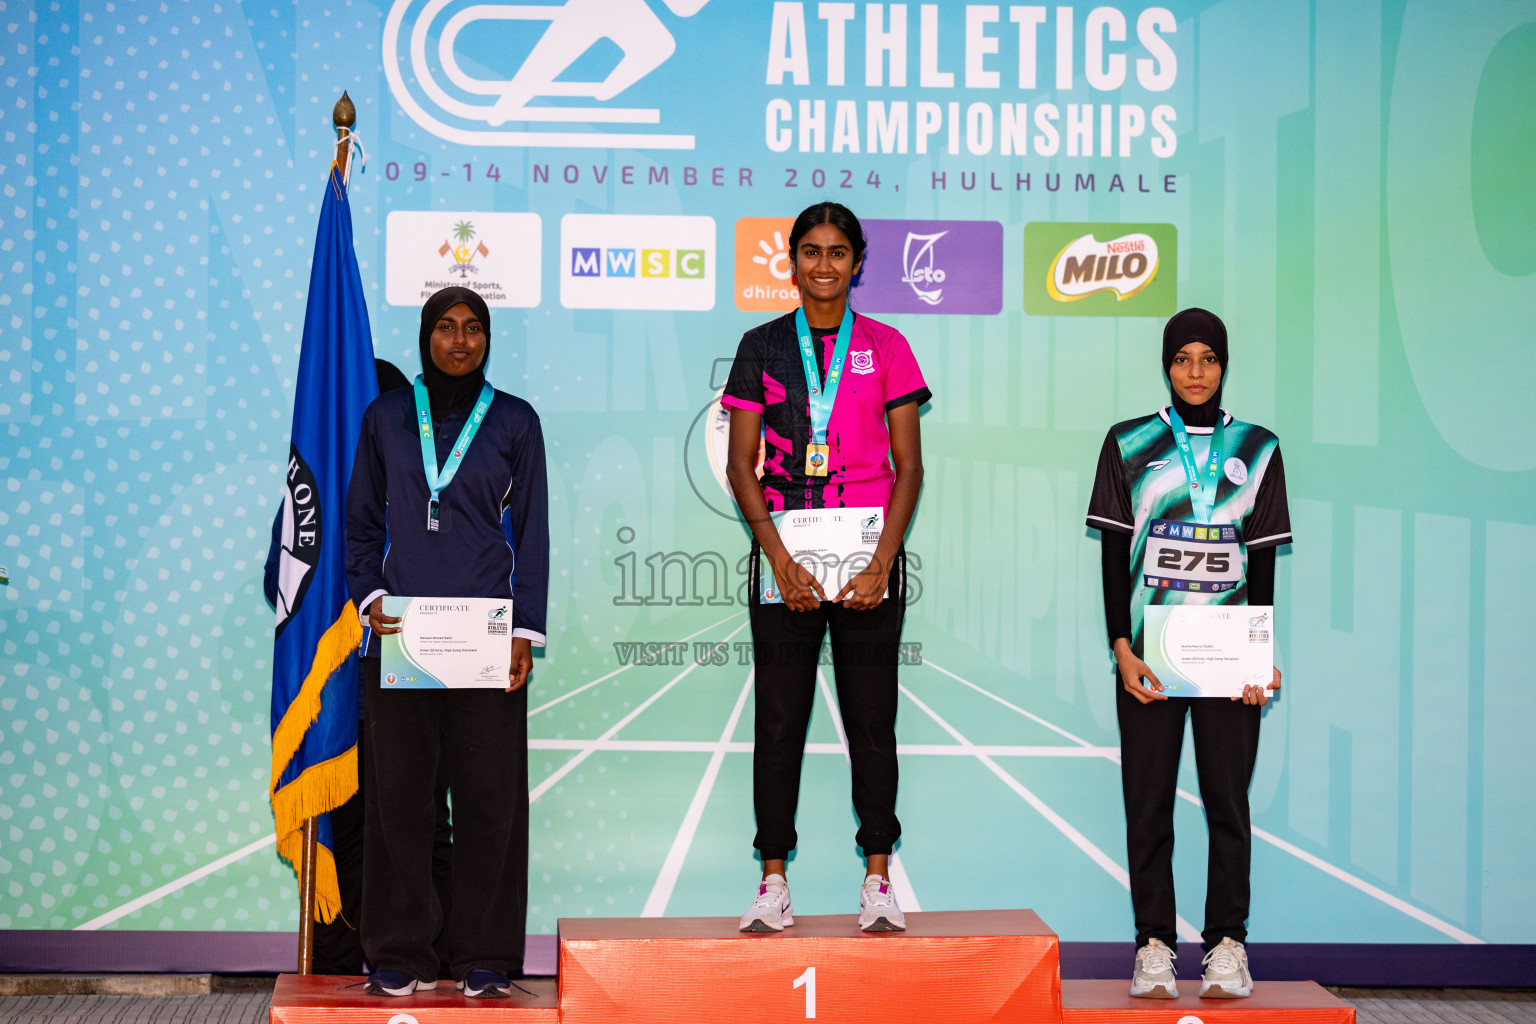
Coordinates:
(1195, 324)
(447, 393)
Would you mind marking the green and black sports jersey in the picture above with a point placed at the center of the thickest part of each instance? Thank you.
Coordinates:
(1141, 489)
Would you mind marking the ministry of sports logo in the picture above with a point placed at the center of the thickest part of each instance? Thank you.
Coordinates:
(459, 249)
(437, 76)
(497, 255)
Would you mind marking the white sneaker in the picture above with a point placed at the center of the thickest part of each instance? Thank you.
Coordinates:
(770, 911)
(1226, 972)
(878, 911)
(1154, 976)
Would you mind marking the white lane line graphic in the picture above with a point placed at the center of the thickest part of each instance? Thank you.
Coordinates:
(1353, 881)
(1423, 917)
(1058, 730)
(567, 695)
(744, 747)
(666, 881)
(898, 870)
(565, 769)
(155, 895)
(1186, 931)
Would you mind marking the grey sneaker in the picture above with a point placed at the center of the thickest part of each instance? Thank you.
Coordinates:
(770, 910)
(878, 911)
(1226, 972)
(1154, 976)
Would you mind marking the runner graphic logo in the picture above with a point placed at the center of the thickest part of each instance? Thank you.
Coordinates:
(430, 75)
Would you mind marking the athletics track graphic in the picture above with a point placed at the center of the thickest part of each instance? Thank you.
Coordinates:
(641, 805)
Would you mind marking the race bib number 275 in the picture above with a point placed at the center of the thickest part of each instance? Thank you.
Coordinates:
(1192, 557)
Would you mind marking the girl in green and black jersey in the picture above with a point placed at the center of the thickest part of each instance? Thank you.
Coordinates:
(1156, 481)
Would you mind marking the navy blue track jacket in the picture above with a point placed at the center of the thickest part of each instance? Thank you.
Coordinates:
(493, 539)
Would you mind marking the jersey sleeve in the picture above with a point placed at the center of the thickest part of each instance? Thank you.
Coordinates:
(744, 388)
(1109, 506)
(903, 380)
(1269, 524)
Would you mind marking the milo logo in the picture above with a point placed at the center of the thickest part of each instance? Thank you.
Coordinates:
(1081, 269)
(1087, 266)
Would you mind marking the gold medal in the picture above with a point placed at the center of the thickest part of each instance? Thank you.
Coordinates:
(816, 459)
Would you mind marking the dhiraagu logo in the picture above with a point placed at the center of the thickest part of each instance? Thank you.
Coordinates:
(617, 261)
(1086, 269)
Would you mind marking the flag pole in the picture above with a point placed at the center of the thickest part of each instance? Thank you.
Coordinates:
(343, 116)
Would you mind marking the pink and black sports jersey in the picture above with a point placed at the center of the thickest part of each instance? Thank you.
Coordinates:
(881, 374)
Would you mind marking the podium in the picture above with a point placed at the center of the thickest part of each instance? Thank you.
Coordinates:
(332, 999)
(1272, 1002)
(948, 966)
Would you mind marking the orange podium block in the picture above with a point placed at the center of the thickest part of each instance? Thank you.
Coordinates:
(333, 999)
(1272, 1002)
(992, 965)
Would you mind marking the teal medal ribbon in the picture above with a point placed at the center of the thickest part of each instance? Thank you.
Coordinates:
(438, 482)
(1201, 495)
(822, 396)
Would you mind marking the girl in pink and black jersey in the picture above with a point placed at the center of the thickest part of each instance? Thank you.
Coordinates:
(832, 397)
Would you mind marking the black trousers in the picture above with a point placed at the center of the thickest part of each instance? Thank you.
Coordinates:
(481, 738)
(786, 647)
(339, 945)
(1226, 747)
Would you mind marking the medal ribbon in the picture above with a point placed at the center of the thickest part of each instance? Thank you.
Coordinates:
(822, 397)
(1201, 496)
(438, 482)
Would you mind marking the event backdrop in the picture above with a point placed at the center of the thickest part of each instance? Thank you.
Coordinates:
(1346, 183)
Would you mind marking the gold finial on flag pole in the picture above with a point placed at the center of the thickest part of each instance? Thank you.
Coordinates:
(343, 116)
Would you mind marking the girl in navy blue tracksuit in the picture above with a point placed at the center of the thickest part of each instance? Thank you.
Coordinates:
(491, 540)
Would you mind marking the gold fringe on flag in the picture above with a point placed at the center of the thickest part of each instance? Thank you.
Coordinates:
(320, 787)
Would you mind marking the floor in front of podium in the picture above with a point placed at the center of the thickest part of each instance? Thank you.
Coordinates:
(1373, 1006)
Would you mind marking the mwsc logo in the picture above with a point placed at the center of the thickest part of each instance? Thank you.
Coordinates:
(442, 84)
(621, 261)
(1075, 269)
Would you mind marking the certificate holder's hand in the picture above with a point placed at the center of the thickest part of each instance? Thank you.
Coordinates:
(798, 586)
(1133, 670)
(1255, 695)
(381, 624)
(867, 588)
(522, 663)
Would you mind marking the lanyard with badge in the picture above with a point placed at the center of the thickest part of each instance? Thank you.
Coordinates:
(822, 396)
(438, 482)
(1194, 556)
(1202, 495)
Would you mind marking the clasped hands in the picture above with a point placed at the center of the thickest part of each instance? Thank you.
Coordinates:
(803, 592)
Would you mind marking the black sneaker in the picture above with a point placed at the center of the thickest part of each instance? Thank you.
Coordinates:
(485, 984)
(395, 983)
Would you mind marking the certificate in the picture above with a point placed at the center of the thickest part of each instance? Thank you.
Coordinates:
(1210, 650)
(834, 544)
(447, 643)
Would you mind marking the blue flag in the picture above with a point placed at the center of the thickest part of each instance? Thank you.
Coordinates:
(314, 664)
